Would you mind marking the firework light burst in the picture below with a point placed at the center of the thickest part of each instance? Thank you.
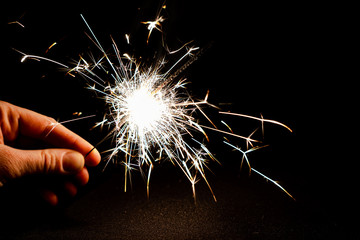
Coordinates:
(150, 114)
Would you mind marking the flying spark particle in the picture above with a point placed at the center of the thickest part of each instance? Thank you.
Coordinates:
(127, 37)
(52, 45)
(155, 24)
(18, 23)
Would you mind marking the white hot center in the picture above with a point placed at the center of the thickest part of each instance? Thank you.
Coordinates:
(144, 110)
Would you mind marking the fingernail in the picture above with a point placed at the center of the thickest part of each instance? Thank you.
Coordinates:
(73, 162)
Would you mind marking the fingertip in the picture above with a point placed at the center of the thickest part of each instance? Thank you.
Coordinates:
(70, 188)
(50, 197)
(93, 158)
(73, 162)
(82, 178)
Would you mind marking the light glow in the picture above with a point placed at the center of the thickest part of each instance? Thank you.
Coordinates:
(150, 113)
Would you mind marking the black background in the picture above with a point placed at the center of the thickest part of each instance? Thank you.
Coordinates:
(288, 61)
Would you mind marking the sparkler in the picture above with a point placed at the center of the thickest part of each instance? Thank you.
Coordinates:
(151, 115)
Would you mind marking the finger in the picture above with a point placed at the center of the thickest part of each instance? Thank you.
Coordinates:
(50, 197)
(38, 126)
(27, 143)
(70, 188)
(62, 137)
(17, 163)
(82, 177)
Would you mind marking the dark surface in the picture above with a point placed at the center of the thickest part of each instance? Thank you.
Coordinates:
(286, 61)
(247, 208)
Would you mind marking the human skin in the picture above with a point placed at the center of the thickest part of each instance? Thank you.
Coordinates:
(20, 128)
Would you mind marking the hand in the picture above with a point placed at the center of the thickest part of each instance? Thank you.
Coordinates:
(22, 127)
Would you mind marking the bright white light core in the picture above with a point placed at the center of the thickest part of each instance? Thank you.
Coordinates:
(145, 110)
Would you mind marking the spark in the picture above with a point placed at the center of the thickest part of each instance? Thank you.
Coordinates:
(127, 37)
(18, 23)
(155, 24)
(52, 45)
(53, 125)
(274, 182)
(147, 112)
(38, 58)
(245, 156)
(151, 116)
(256, 118)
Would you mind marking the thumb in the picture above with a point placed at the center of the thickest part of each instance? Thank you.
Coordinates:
(16, 163)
